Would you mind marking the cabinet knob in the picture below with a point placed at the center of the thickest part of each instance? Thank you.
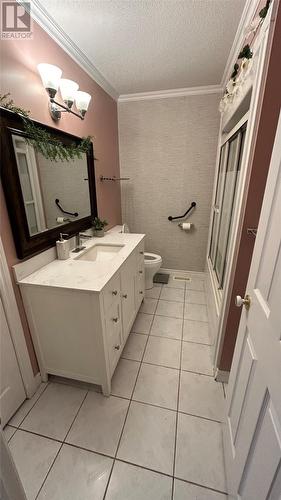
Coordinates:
(114, 292)
(140, 272)
(115, 320)
(141, 292)
(117, 347)
(141, 253)
(125, 296)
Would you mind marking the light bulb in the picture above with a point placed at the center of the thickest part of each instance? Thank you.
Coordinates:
(68, 90)
(82, 100)
(50, 76)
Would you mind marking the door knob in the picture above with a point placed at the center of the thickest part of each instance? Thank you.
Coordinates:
(243, 302)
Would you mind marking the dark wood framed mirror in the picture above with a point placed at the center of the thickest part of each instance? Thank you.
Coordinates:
(44, 198)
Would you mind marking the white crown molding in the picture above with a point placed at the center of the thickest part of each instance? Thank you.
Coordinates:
(165, 94)
(246, 18)
(41, 16)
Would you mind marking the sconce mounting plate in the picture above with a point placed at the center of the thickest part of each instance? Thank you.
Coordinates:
(54, 111)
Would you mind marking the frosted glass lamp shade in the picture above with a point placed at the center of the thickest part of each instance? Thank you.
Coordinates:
(82, 100)
(50, 76)
(68, 90)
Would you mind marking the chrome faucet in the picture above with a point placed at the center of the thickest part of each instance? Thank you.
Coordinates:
(79, 238)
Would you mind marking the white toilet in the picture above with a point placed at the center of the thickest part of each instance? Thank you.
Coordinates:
(152, 263)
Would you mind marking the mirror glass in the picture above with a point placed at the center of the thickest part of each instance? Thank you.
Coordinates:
(51, 189)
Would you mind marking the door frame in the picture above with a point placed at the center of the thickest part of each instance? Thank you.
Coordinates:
(218, 292)
(30, 381)
(246, 168)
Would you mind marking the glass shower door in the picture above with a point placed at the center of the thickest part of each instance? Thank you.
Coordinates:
(223, 210)
(218, 201)
(227, 205)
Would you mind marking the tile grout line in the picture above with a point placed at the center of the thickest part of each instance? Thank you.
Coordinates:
(49, 470)
(178, 398)
(62, 443)
(142, 467)
(21, 422)
(120, 397)
(129, 406)
(15, 430)
(141, 362)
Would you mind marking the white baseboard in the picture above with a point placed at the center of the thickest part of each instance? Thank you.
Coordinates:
(222, 376)
(194, 274)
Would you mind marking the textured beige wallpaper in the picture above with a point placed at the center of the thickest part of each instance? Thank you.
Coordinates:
(168, 149)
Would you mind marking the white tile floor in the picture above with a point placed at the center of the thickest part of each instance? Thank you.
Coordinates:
(158, 437)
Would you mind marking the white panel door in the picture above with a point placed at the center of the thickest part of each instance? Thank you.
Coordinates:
(12, 393)
(252, 436)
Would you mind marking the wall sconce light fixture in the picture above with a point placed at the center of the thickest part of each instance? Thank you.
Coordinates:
(52, 81)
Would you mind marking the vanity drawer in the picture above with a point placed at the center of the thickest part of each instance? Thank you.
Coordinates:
(111, 293)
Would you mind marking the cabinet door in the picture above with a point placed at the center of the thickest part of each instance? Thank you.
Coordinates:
(114, 334)
(139, 279)
(128, 294)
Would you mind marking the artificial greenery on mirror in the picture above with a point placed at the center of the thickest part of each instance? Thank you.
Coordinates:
(46, 144)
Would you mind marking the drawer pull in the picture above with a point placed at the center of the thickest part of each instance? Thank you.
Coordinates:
(125, 296)
(117, 347)
(141, 292)
(115, 320)
(114, 292)
(140, 272)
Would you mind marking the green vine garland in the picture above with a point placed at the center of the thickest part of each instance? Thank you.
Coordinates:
(46, 144)
(246, 51)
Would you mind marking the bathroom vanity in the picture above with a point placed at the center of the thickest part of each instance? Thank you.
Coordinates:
(81, 310)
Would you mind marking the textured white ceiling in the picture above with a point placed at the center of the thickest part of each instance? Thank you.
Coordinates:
(151, 45)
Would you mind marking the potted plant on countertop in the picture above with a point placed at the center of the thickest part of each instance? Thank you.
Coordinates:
(99, 226)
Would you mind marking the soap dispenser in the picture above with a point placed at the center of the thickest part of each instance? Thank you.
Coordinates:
(62, 247)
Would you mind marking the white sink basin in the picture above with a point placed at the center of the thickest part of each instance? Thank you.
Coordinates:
(100, 253)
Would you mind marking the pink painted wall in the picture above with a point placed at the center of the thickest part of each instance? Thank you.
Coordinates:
(19, 76)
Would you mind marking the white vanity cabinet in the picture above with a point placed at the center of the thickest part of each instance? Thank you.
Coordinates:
(80, 334)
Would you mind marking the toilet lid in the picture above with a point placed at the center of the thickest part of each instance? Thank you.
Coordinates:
(152, 257)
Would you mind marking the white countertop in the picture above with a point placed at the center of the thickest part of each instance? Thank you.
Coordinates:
(84, 275)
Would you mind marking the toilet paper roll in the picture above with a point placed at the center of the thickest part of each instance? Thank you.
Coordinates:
(186, 226)
(61, 220)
